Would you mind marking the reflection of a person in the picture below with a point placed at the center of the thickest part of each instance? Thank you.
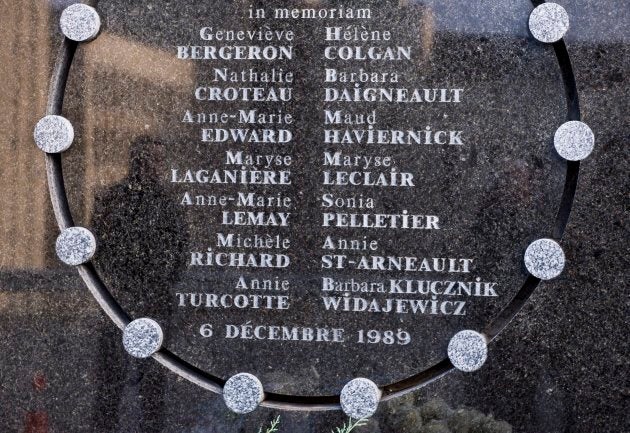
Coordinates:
(142, 236)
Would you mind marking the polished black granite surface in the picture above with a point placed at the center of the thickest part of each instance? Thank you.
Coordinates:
(559, 366)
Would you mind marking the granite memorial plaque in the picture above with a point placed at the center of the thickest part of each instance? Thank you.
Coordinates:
(321, 192)
(314, 205)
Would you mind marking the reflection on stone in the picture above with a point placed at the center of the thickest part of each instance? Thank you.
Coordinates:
(127, 84)
(436, 416)
(454, 168)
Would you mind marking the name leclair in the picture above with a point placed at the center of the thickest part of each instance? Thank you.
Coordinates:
(368, 178)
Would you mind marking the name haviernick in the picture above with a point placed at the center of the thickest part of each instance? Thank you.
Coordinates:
(390, 136)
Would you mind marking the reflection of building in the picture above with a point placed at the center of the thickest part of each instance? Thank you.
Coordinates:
(124, 119)
(23, 91)
(26, 212)
(541, 380)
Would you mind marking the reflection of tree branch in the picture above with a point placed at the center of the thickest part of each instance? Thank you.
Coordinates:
(273, 428)
(347, 428)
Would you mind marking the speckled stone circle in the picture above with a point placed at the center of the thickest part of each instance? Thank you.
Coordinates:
(142, 338)
(360, 398)
(544, 259)
(574, 141)
(53, 134)
(80, 22)
(468, 351)
(243, 393)
(75, 246)
(549, 22)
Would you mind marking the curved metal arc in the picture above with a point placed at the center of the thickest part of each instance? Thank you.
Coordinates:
(277, 401)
